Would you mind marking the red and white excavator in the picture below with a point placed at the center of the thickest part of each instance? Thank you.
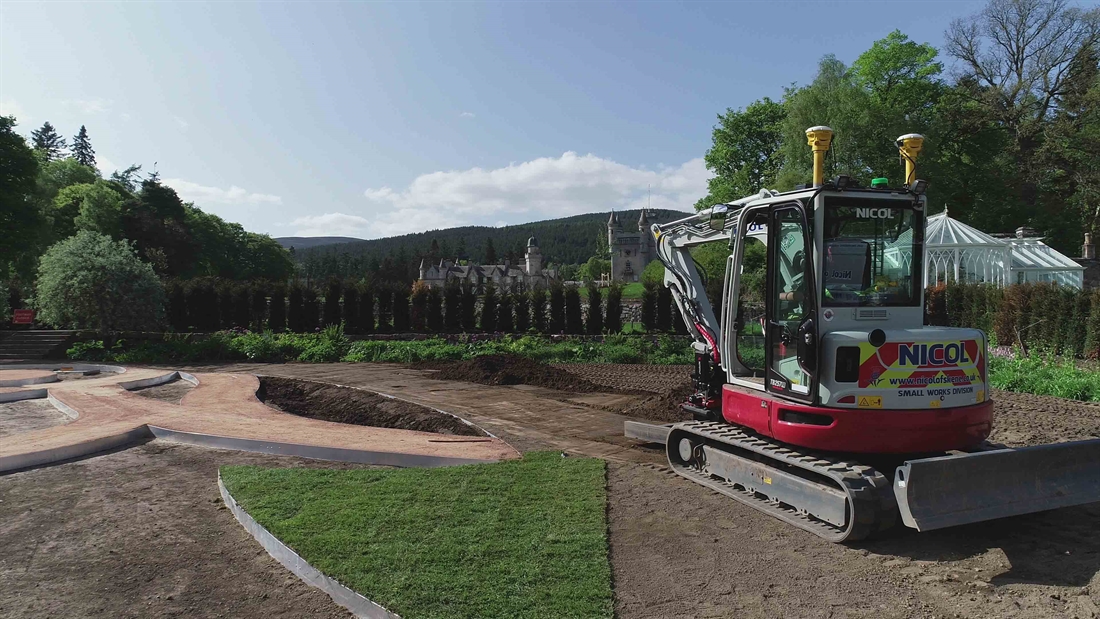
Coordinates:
(838, 411)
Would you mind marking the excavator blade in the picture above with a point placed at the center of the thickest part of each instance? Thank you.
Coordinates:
(934, 493)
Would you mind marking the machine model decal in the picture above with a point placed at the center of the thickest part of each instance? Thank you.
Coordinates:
(923, 369)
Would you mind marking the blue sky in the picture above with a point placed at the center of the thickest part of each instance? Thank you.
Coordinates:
(374, 119)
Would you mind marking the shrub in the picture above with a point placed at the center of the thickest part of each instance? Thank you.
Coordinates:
(331, 311)
(400, 308)
(452, 307)
(435, 311)
(385, 308)
(664, 309)
(276, 320)
(594, 325)
(505, 322)
(202, 305)
(574, 323)
(5, 309)
(418, 301)
(225, 303)
(1092, 327)
(521, 305)
(242, 305)
(259, 306)
(649, 306)
(295, 316)
(538, 309)
(310, 310)
(351, 308)
(557, 307)
(489, 308)
(469, 308)
(366, 311)
(614, 322)
(177, 305)
(89, 281)
(935, 305)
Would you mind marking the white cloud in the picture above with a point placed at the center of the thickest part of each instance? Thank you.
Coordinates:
(105, 165)
(466, 115)
(183, 124)
(9, 107)
(544, 188)
(201, 194)
(331, 224)
(94, 105)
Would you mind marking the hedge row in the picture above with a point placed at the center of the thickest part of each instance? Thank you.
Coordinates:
(1038, 317)
(210, 304)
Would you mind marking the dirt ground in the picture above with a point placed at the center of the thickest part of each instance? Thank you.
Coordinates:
(28, 415)
(141, 533)
(171, 392)
(677, 549)
(511, 370)
(355, 406)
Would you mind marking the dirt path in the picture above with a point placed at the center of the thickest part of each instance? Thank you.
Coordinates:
(679, 550)
(29, 415)
(141, 533)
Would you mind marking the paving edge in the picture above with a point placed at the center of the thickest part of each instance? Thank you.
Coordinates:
(44, 457)
(315, 452)
(354, 602)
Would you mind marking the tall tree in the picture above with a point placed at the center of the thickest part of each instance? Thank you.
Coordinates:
(82, 148)
(128, 177)
(490, 252)
(20, 219)
(48, 142)
(745, 156)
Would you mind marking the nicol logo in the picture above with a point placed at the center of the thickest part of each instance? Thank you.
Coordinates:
(874, 213)
(952, 353)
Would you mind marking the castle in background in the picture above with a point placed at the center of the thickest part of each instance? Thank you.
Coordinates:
(505, 276)
(630, 251)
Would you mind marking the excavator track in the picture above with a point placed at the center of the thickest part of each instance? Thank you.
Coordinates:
(834, 499)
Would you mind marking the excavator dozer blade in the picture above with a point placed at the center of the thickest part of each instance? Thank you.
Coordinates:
(934, 493)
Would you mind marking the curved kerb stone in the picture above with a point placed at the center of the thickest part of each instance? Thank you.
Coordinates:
(354, 602)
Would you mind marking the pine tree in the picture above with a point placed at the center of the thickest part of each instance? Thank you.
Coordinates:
(82, 149)
(490, 252)
(48, 141)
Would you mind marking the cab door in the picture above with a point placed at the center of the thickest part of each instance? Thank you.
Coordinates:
(791, 306)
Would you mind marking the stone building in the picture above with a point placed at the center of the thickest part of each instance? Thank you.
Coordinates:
(506, 276)
(630, 251)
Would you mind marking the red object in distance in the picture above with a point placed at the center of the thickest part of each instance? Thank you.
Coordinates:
(22, 317)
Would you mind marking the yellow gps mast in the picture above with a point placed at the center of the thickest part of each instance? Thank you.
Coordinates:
(909, 146)
(819, 138)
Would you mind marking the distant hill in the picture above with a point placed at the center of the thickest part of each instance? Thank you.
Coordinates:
(306, 242)
(569, 240)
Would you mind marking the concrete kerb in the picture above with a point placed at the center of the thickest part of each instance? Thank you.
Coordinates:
(358, 605)
(45, 457)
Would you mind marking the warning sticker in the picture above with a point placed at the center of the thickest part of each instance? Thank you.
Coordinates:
(869, 401)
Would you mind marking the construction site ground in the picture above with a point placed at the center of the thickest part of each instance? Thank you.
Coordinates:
(677, 549)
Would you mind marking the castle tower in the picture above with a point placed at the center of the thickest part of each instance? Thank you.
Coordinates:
(423, 268)
(534, 257)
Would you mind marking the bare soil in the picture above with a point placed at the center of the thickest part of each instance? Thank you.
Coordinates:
(355, 406)
(1023, 419)
(28, 415)
(171, 392)
(511, 370)
(141, 533)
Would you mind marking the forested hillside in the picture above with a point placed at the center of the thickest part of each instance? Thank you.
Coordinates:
(306, 242)
(570, 240)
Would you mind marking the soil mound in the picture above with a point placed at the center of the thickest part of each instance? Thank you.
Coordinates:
(356, 407)
(511, 370)
(664, 407)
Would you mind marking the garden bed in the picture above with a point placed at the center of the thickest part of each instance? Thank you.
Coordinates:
(510, 370)
(356, 406)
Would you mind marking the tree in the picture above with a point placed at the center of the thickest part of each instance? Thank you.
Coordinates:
(452, 306)
(574, 321)
(557, 307)
(490, 251)
(90, 281)
(538, 309)
(295, 316)
(331, 311)
(745, 156)
(594, 269)
(489, 308)
(127, 178)
(418, 317)
(87, 206)
(82, 148)
(522, 305)
(435, 311)
(505, 320)
(594, 324)
(48, 143)
(20, 219)
(276, 320)
(614, 321)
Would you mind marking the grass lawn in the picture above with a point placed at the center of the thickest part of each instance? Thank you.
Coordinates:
(632, 290)
(522, 538)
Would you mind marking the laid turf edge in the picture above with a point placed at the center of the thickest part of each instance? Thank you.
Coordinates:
(522, 538)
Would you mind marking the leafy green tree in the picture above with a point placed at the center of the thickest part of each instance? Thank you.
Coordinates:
(745, 156)
(48, 143)
(155, 220)
(128, 178)
(59, 174)
(490, 251)
(594, 269)
(20, 219)
(82, 148)
(88, 206)
(90, 281)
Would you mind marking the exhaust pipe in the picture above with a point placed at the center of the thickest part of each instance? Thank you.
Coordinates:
(909, 146)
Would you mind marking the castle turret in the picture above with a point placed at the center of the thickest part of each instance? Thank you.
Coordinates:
(534, 257)
(423, 268)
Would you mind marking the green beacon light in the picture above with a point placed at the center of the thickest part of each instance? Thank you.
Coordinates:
(880, 183)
